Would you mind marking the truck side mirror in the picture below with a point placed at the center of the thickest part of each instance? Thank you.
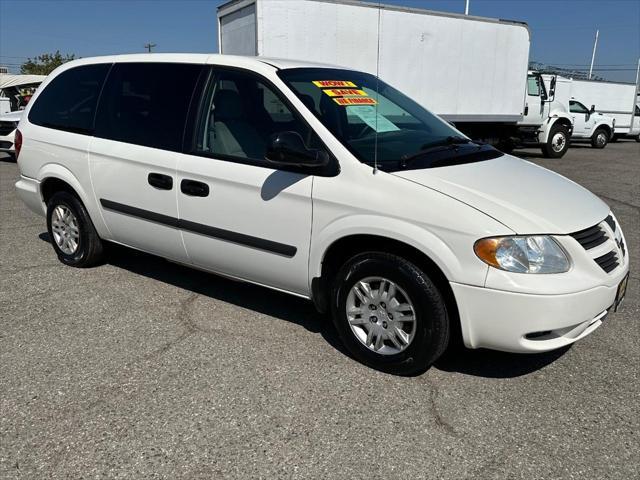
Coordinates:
(593, 109)
(552, 88)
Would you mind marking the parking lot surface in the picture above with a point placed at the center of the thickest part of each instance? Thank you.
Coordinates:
(141, 368)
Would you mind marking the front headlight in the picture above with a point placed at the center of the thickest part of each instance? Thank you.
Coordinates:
(523, 254)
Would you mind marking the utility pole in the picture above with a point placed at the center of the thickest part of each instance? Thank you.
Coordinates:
(593, 55)
(635, 97)
(466, 7)
(149, 46)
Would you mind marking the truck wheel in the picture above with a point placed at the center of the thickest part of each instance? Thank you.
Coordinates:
(557, 143)
(389, 314)
(638, 138)
(600, 138)
(73, 236)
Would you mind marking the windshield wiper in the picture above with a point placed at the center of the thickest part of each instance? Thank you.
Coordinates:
(443, 145)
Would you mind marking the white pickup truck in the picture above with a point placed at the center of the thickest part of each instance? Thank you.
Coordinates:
(589, 124)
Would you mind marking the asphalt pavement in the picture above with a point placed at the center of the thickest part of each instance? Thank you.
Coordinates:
(144, 369)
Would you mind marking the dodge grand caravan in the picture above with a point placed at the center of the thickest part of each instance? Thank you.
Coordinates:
(325, 183)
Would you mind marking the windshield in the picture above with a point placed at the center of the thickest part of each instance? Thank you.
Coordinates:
(347, 104)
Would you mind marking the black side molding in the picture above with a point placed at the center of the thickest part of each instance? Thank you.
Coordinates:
(201, 229)
(140, 213)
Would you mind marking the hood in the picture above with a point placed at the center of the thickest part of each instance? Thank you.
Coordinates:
(11, 116)
(524, 197)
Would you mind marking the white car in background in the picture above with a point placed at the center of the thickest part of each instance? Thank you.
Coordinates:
(8, 124)
(589, 124)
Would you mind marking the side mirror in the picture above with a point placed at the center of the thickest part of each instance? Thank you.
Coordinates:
(593, 109)
(552, 87)
(288, 149)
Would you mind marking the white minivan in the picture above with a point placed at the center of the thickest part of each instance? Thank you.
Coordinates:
(325, 183)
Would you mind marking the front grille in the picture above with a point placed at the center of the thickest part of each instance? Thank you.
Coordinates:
(7, 127)
(611, 222)
(608, 261)
(590, 237)
(606, 232)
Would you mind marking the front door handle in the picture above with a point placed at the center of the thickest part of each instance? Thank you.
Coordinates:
(194, 188)
(160, 181)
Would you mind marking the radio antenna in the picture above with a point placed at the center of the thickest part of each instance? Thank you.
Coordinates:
(375, 144)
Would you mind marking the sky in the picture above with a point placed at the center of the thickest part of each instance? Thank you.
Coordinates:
(562, 30)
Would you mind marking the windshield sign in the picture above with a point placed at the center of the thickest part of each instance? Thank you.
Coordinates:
(378, 123)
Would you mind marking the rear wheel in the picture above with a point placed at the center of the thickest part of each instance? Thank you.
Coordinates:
(600, 138)
(389, 314)
(73, 236)
(557, 143)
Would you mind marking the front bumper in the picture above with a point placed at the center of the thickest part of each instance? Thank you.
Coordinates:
(524, 322)
(6, 142)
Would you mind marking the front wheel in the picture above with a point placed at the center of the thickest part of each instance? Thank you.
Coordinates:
(557, 143)
(600, 138)
(389, 313)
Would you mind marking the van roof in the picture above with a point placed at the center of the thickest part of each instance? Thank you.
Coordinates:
(203, 58)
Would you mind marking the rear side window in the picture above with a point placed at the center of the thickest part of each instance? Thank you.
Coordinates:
(147, 103)
(69, 101)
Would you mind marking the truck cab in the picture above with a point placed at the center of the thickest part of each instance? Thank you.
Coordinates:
(546, 120)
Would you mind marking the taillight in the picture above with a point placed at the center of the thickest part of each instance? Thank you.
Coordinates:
(17, 143)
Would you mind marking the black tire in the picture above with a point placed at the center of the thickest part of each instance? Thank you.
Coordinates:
(638, 138)
(89, 250)
(431, 334)
(552, 149)
(600, 138)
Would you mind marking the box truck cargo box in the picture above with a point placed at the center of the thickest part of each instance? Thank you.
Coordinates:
(461, 67)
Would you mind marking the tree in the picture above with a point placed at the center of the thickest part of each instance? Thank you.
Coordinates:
(44, 64)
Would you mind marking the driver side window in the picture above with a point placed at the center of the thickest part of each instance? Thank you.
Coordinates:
(533, 86)
(577, 107)
(240, 116)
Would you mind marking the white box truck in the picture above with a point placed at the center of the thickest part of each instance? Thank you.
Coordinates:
(469, 70)
(618, 100)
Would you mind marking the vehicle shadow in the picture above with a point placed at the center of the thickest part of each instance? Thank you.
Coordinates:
(481, 363)
(494, 364)
(531, 153)
(252, 297)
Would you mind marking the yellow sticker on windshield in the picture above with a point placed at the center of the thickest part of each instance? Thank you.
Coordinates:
(345, 101)
(333, 83)
(345, 92)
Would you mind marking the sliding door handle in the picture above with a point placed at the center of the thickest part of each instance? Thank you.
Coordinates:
(194, 188)
(160, 181)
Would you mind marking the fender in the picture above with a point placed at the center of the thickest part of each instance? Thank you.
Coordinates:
(55, 170)
(420, 238)
(601, 124)
(554, 117)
